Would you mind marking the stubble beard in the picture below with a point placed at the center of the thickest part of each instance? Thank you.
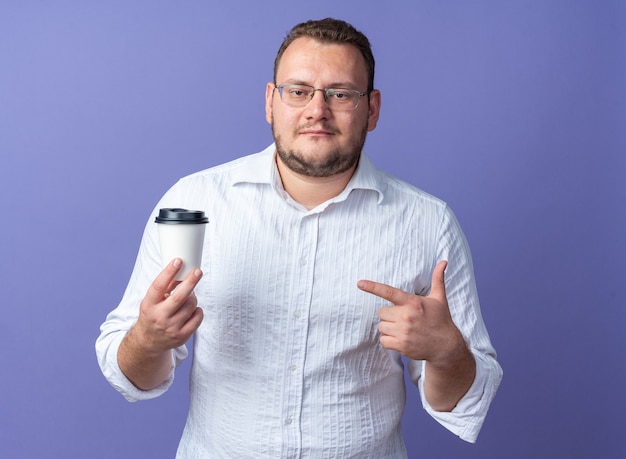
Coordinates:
(334, 163)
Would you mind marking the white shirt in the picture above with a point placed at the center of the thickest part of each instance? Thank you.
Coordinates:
(287, 362)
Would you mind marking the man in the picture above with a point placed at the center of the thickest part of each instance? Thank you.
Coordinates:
(319, 273)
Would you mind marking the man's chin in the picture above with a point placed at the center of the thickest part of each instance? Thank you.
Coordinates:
(314, 165)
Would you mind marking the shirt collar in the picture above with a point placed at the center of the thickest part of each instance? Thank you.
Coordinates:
(366, 177)
(261, 169)
(258, 168)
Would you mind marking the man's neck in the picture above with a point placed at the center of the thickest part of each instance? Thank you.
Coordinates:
(310, 192)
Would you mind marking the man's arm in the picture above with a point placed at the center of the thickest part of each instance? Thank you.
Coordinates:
(446, 382)
(421, 328)
(168, 316)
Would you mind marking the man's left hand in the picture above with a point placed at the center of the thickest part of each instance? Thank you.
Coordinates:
(419, 327)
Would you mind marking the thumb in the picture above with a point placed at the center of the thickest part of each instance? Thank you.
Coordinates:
(438, 286)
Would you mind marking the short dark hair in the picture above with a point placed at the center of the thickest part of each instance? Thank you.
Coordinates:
(331, 30)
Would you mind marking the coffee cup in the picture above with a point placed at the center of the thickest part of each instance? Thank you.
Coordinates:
(181, 235)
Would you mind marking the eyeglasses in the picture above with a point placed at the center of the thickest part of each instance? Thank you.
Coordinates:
(299, 95)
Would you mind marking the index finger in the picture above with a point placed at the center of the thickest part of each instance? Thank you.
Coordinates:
(185, 288)
(164, 282)
(387, 292)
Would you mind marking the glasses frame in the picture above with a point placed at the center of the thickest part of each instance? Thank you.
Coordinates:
(325, 93)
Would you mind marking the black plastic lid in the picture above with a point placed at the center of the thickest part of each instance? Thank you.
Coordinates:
(181, 216)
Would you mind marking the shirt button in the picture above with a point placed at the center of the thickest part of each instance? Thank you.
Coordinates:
(292, 367)
(288, 421)
(302, 261)
(297, 314)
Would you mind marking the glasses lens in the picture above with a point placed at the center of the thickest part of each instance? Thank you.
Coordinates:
(342, 99)
(295, 95)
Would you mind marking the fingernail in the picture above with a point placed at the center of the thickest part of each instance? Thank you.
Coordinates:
(177, 262)
(197, 273)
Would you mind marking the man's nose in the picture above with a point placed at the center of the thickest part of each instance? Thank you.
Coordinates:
(318, 102)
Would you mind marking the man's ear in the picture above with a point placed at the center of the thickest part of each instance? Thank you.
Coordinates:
(269, 101)
(374, 109)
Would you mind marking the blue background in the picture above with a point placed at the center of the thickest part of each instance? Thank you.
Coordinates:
(511, 111)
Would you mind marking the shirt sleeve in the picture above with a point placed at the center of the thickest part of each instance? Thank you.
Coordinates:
(106, 350)
(467, 418)
(119, 321)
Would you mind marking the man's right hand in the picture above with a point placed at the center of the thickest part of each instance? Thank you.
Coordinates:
(168, 316)
(169, 313)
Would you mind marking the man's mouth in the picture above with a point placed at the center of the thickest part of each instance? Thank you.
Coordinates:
(318, 132)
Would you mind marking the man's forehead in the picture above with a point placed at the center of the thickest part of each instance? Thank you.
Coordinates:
(307, 55)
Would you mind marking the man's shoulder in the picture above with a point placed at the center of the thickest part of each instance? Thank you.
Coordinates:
(232, 169)
(401, 190)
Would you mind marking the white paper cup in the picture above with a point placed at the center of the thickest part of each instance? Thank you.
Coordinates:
(181, 235)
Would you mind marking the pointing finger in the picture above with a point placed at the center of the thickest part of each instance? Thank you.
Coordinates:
(391, 294)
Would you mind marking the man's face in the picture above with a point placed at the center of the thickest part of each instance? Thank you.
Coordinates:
(314, 140)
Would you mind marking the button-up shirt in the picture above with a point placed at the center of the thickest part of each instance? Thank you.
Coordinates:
(287, 362)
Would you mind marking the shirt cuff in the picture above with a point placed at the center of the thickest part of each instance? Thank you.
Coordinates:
(124, 386)
(468, 416)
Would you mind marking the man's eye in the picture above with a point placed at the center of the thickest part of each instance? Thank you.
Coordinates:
(295, 92)
(340, 95)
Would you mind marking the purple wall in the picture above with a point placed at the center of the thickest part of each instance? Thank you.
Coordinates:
(514, 112)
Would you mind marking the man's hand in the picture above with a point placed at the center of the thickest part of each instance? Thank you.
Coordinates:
(421, 328)
(169, 313)
(168, 316)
